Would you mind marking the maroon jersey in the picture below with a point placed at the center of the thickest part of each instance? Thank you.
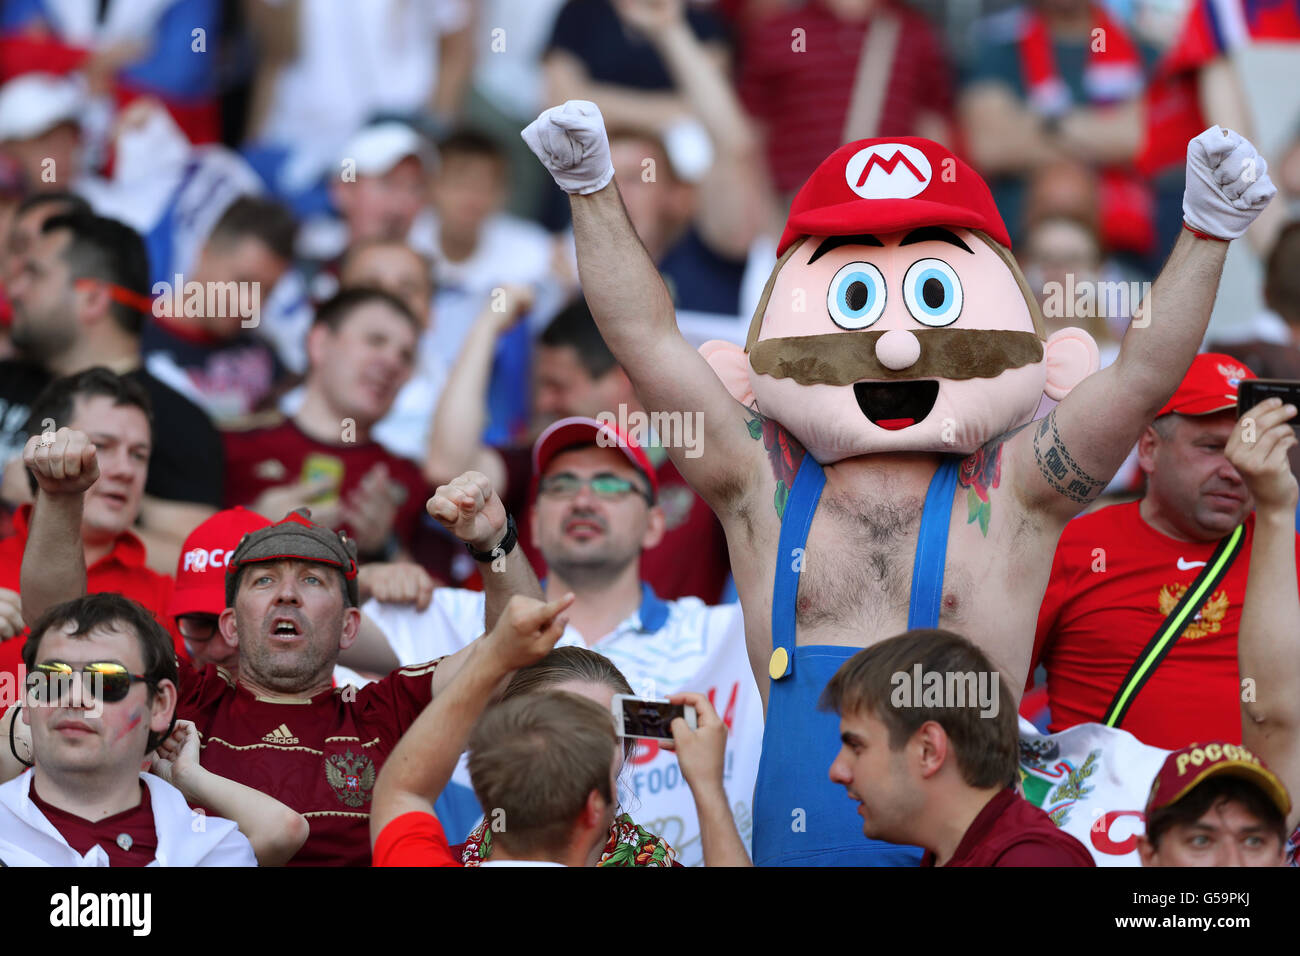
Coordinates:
(282, 454)
(1011, 831)
(129, 837)
(319, 756)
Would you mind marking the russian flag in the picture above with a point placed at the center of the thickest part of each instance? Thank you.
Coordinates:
(1213, 28)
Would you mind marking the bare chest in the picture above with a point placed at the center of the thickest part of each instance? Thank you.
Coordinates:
(857, 568)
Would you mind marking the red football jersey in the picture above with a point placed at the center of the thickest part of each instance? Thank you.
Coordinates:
(1114, 580)
(319, 756)
(283, 454)
(122, 571)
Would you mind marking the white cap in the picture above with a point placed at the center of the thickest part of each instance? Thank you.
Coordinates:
(35, 103)
(377, 149)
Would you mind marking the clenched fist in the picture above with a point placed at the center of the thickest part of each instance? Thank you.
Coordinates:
(570, 141)
(63, 462)
(471, 510)
(1227, 184)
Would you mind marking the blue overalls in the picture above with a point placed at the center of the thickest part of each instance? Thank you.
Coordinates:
(800, 817)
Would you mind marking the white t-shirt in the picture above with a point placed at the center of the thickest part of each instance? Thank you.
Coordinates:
(27, 838)
(510, 250)
(663, 647)
(354, 60)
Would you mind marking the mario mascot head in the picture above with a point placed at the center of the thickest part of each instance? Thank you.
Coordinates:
(896, 319)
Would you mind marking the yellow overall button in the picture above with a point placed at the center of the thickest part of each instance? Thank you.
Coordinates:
(779, 662)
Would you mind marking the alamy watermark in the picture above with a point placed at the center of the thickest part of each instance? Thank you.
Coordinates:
(227, 300)
(39, 689)
(666, 429)
(949, 689)
(1086, 299)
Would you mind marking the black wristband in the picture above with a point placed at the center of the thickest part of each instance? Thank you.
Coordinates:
(503, 547)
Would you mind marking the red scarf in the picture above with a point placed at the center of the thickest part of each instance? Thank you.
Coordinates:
(1112, 73)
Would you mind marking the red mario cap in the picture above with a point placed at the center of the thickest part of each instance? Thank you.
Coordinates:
(570, 432)
(201, 571)
(1185, 769)
(886, 185)
(1210, 385)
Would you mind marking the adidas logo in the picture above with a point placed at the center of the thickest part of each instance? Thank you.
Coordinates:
(281, 735)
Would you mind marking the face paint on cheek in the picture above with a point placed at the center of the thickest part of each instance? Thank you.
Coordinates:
(131, 725)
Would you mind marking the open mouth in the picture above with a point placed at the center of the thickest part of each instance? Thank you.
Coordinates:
(896, 405)
(583, 528)
(283, 627)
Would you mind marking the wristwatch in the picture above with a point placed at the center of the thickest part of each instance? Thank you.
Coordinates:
(503, 547)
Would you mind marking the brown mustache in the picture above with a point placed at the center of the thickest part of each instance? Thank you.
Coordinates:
(842, 358)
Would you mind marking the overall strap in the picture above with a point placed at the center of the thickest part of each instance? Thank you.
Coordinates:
(932, 547)
(800, 505)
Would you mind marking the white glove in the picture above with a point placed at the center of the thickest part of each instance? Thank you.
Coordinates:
(1227, 184)
(570, 141)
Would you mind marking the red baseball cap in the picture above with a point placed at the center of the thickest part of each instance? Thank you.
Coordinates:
(201, 571)
(885, 185)
(573, 432)
(1186, 768)
(1210, 385)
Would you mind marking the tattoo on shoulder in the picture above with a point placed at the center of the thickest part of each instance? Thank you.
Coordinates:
(979, 475)
(1059, 468)
(783, 452)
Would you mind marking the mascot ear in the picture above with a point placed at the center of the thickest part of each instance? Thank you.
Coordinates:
(1072, 356)
(731, 364)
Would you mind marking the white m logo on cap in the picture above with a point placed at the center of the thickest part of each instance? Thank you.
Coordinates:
(888, 171)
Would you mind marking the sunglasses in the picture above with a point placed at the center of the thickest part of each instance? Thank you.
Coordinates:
(103, 680)
(604, 485)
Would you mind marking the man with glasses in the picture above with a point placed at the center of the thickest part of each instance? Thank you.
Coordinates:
(594, 513)
(101, 691)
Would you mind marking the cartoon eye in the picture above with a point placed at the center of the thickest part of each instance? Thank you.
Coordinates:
(857, 296)
(932, 292)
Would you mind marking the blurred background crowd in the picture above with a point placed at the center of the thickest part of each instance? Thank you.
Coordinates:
(305, 148)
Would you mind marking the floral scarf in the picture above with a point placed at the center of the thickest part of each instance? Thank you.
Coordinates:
(629, 845)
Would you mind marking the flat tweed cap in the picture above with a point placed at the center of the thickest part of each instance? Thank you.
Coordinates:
(299, 538)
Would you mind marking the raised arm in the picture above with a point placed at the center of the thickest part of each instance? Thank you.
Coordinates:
(632, 307)
(1268, 641)
(424, 759)
(275, 831)
(54, 562)
(734, 195)
(701, 755)
(1065, 460)
(456, 439)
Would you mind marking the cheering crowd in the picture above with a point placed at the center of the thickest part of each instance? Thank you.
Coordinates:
(386, 390)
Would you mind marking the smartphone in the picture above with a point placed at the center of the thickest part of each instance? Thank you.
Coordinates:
(316, 466)
(1252, 391)
(648, 718)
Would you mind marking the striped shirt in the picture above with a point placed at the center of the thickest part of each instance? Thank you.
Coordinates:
(797, 72)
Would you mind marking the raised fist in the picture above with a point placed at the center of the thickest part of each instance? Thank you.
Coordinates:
(63, 462)
(471, 510)
(1227, 184)
(570, 141)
